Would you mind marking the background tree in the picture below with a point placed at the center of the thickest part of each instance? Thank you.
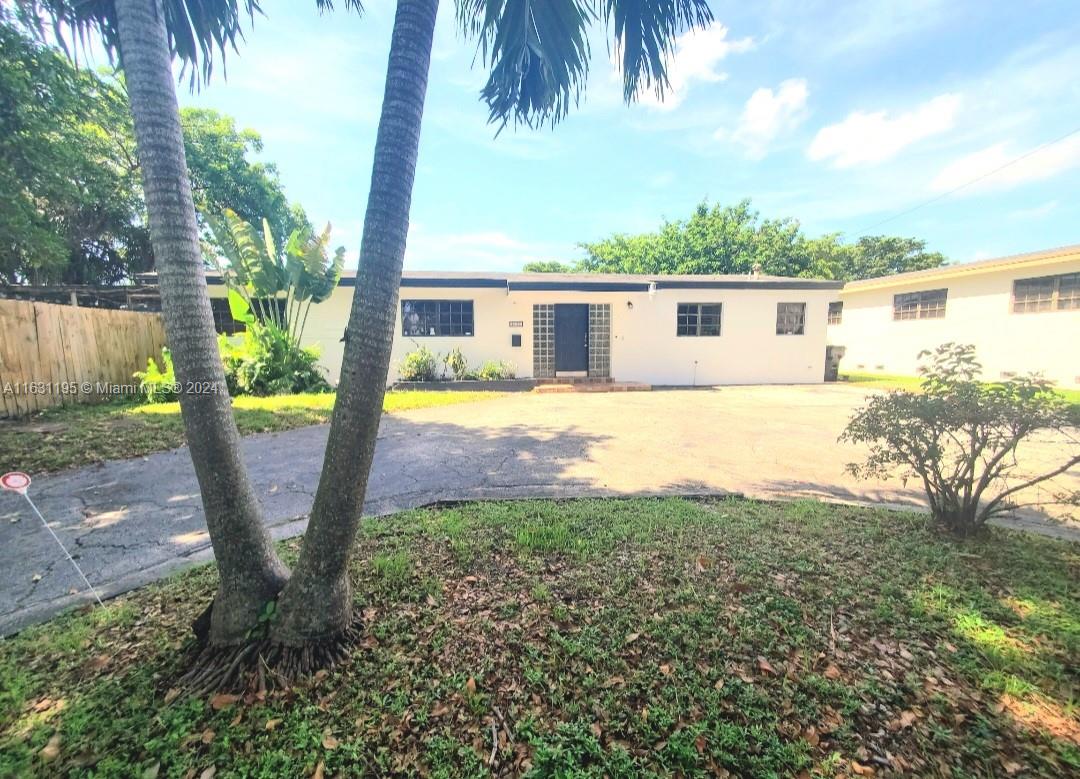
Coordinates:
(547, 266)
(733, 239)
(69, 178)
(224, 176)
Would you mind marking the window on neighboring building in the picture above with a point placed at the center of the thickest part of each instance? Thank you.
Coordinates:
(790, 318)
(1047, 293)
(698, 319)
(436, 317)
(836, 312)
(927, 304)
(223, 318)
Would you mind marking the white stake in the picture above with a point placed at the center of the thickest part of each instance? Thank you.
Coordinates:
(20, 482)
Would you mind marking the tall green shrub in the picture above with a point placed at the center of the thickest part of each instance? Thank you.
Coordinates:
(961, 438)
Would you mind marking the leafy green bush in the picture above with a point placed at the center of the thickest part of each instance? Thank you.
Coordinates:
(496, 370)
(156, 385)
(457, 364)
(959, 437)
(268, 362)
(421, 364)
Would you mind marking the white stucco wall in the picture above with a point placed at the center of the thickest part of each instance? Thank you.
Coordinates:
(978, 311)
(644, 346)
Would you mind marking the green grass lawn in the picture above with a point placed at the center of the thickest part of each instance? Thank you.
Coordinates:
(889, 381)
(601, 638)
(82, 434)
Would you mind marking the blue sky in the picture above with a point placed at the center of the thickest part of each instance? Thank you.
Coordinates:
(841, 115)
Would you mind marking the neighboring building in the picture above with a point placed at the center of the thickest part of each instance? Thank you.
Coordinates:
(1022, 313)
(661, 330)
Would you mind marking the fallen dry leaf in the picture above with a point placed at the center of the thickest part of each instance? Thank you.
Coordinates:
(221, 701)
(632, 638)
(665, 669)
(51, 751)
(172, 695)
(320, 771)
(764, 666)
(470, 686)
(207, 736)
(330, 741)
(272, 723)
(209, 773)
(832, 672)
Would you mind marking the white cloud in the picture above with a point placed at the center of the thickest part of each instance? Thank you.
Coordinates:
(697, 57)
(1038, 164)
(767, 114)
(868, 138)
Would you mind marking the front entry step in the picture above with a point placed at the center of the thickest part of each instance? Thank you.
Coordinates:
(606, 386)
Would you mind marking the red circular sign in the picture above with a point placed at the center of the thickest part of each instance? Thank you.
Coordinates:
(16, 481)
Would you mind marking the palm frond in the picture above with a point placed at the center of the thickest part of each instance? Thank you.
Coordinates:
(644, 34)
(328, 5)
(537, 52)
(198, 30)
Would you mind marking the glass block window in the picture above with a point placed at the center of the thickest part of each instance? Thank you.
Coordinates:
(790, 318)
(927, 304)
(420, 318)
(697, 319)
(836, 312)
(544, 341)
(600, 339)
(1047, 293)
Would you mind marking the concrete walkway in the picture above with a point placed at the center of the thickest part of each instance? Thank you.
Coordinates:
(134, 521)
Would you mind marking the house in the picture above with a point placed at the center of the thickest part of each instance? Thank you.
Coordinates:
(660, 330)
(1022, 313)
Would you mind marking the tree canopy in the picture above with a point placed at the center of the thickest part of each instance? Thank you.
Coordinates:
(734, 239)
(70, 178)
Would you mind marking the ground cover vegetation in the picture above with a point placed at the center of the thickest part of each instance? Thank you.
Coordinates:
(600, 638)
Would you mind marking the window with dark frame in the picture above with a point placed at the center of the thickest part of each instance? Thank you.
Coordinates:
(698, 319)
(926, 304)
(426, 318)
(790, 318)
(1047, 293)
(223, 318)
(836, 312)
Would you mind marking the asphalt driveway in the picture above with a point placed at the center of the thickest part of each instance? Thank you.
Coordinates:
(133, 521)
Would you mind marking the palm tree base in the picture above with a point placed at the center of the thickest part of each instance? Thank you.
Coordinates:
(263, 665)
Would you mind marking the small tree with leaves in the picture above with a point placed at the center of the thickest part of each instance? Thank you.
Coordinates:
(961, 438)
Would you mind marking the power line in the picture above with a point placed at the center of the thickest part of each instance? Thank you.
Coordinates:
(966, 184)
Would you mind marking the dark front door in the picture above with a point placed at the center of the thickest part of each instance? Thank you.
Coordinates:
(572, 338)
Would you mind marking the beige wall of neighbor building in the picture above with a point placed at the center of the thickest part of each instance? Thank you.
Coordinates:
(644, 346)
(979, 310)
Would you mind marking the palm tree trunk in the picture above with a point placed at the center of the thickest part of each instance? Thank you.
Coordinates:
(317, 602)
(251, 573)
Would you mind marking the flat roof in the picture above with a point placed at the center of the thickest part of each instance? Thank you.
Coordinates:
(1027, 260)
(586, 282)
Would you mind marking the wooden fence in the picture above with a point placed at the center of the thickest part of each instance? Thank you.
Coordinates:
(52, 355)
